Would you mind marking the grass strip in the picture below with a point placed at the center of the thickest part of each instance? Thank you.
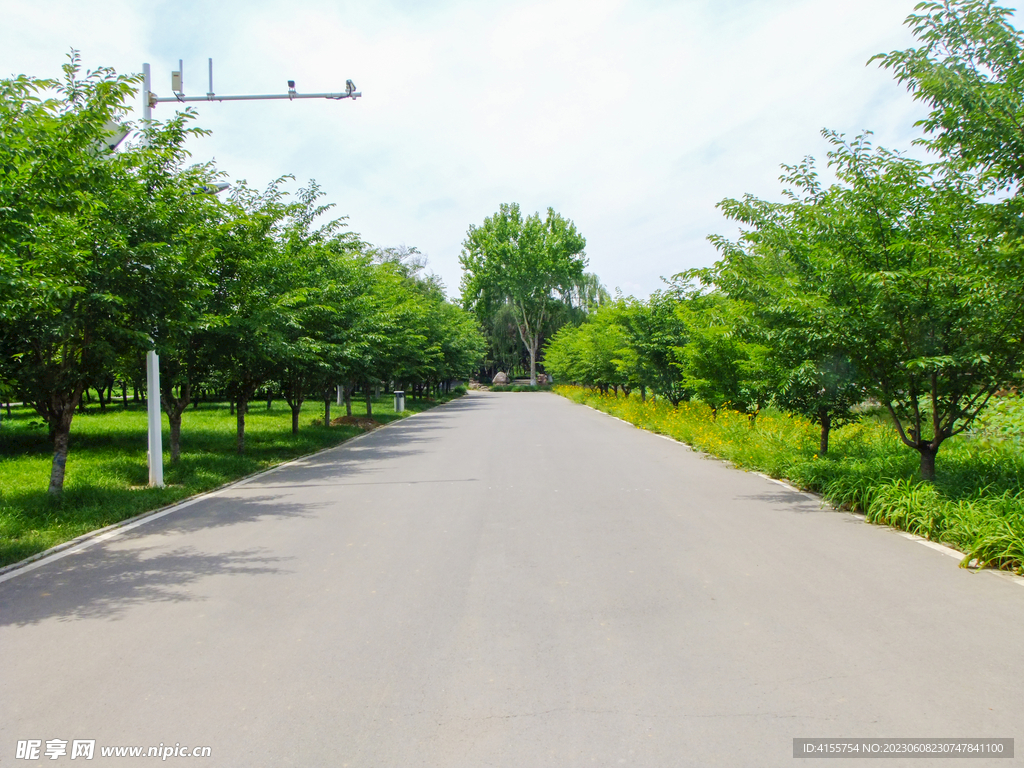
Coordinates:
(107, 469)
(976, 504)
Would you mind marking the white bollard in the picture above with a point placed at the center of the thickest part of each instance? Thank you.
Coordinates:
(399, 401)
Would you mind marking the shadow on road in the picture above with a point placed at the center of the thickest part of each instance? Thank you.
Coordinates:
(104, 581)
(794, 501)
(101, 583)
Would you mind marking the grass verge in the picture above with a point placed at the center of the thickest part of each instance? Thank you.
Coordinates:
(107, 470)
(976, 504)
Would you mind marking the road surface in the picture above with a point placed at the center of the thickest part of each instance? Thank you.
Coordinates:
(508, 580)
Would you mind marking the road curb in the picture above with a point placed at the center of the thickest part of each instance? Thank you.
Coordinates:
(60, 551)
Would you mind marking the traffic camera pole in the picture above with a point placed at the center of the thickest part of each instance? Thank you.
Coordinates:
(155, 425)
(150, 100)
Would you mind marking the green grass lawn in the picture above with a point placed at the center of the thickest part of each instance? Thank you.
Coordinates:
(976, 503)
(107, 472)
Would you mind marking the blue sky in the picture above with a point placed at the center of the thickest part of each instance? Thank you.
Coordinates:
(633, 119)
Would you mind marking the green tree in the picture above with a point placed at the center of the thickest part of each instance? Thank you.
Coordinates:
(180, 220)
(914, 279)
(594, 353)
(524, 263)
(463, 345)
(970, 70)
(323, 281)
(505, 350)
(719, 365)
(79, 279)
(653, 329)
(251, 305)
(802, 369)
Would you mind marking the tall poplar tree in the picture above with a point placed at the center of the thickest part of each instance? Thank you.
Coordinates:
(527, 264)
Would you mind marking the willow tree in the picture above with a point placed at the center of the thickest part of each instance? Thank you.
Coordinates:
(524, 263)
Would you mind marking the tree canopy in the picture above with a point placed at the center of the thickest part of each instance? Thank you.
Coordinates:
(970, 70)
(526, 264)
(106, 253)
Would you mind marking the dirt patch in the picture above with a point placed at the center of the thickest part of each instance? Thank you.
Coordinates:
(365, 423)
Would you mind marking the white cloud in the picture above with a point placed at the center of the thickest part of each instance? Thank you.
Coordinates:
(631, 118)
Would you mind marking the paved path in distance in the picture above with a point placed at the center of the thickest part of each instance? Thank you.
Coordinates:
(508, 580)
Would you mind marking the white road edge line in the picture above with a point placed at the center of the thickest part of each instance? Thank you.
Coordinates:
(948, 551)
(86, 540)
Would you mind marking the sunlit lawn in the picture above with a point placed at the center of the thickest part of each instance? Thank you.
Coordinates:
(107, 471)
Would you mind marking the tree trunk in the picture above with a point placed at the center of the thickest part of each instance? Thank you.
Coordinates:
(240, 421)
(348, 400)
(928, 461)
(175, 407)
(295, 395)
(327, 409)
(270, 399)
(60, 432)
(533, 364)
(174, 419)
(826, 426)
(369, 402)
(60, 459)
(124, 394)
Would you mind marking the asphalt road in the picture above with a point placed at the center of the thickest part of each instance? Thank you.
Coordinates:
(508, 580)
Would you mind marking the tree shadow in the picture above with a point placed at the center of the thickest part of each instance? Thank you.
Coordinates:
(88, 504)
(106, 580)
(792, 501)
(101, 583)
(363, 458)
(223, 512)
(383, 482)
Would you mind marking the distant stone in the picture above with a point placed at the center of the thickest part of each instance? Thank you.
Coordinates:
(542, 378)
(500, 378)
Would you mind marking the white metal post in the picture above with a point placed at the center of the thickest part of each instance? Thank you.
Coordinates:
(156, 442)
(155, 425)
